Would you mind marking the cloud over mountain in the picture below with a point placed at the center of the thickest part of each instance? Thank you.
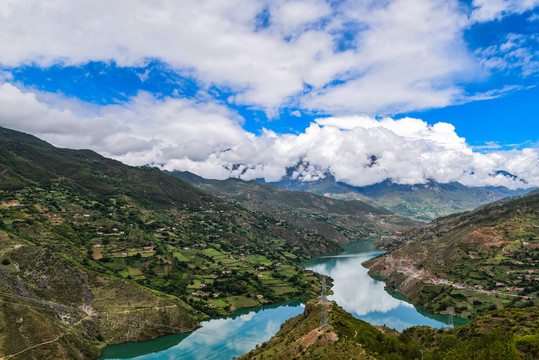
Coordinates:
(362, 62)
(208, 139)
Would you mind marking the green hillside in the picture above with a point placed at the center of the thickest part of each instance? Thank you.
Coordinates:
(110, 227)
(468, 263)
(341, 221)
(499, 335)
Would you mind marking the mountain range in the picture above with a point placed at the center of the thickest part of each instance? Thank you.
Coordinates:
(422, 201)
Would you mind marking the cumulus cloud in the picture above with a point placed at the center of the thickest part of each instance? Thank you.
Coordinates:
(401, 54)
(208, 139)
(408, 57)
(292, 17)
(145, 130)
(407, 150)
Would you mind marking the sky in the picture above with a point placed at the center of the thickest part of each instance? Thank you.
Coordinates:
(365, 90)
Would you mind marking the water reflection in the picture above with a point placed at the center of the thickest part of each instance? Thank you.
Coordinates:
(221, 338)
(361, 295)
(354, 289)
(226, 338)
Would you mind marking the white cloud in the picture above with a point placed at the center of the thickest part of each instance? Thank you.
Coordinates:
(295, 113)
(145, 130)
(496, 93)
(517, 51)
(208, 139)
(488, 10)
(292, 17)
(489, 145)
(5, 76)
(408, 57)
(405, 54)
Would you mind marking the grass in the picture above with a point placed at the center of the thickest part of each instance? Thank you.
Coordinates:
(259, 259)
(212, 253)
(280, 290)
(181, 257)
(239, 302)
(219, 303)
(134, 271)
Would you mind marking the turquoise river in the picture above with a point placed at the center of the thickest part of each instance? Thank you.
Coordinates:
(229, 337)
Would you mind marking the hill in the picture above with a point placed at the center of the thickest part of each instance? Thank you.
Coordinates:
(52, 308)
(503, 334)
(423, 201)
(90, 234)
(468, 263)
(341, 221)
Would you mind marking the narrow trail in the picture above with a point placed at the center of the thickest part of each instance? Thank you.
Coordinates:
(34, 346)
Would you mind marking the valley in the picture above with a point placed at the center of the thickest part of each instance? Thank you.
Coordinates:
(341, 221)
(137, 228)
(94, 252)
(269, 180)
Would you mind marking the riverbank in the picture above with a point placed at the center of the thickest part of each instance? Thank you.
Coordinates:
(218, 338)
(352, 288)
(443, 296)
(508, 334)
(469, 263)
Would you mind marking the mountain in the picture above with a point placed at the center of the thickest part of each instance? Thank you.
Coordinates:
(504, 334)
(337, 220)
(89, 247)
(423, 201)
(468, 263)
(508, 175)
(432, 199)
(325, 186)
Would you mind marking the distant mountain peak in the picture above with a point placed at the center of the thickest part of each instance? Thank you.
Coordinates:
(373, 159)
(305, 171)
(508, 175)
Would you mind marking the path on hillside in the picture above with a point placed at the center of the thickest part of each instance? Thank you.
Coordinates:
(34, 346)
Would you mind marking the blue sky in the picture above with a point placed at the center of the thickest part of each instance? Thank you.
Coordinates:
(248, 88)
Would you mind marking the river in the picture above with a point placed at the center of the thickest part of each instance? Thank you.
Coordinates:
(232, 336)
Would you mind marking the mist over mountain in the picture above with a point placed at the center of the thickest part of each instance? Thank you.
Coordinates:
(424, 201)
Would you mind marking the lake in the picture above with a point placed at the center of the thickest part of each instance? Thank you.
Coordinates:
(229, 337)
